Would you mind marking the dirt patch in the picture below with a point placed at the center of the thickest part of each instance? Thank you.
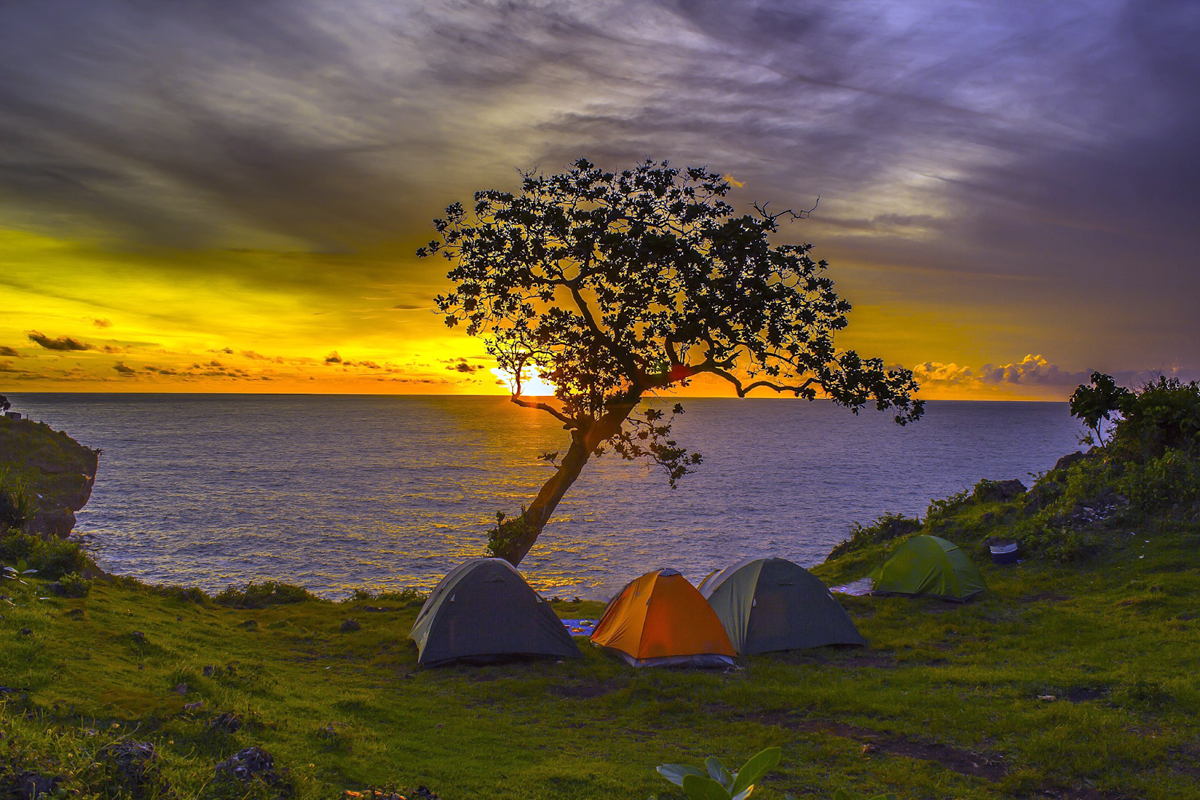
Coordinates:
(1058, 793)
(584, 691)
(964, 762)
(1085, 693)
(866, 660)
(1043, 597)
(937, 606)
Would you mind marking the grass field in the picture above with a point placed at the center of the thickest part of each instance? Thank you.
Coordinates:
(949, 701)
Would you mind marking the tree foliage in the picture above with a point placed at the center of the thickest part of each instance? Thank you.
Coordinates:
(1098, 402)
(1162, 415)
(613, 285)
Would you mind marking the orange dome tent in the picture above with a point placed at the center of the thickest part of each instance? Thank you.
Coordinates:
(660, 619)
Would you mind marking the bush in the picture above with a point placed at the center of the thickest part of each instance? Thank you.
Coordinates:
(259, 595)
(1060, 544)
(189, 594)
(1162, 415)
(403, 596)
(885, 528)
(947, 507)
(52, 558)
(17, 506)
(75, 585)
(1170, 480)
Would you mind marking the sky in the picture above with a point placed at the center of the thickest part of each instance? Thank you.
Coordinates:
(227, 196)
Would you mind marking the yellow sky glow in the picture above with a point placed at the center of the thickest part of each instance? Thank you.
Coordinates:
(195, 321)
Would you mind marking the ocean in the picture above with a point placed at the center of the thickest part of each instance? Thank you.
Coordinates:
(337, 493)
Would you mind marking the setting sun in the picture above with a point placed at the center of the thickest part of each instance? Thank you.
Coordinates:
(531, 385)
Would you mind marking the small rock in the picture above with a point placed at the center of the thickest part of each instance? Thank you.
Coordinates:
(58, 589)
(208, 670)
(138, 637)
(136, 765)
(869, 748)
(180, 688)
(26, 632)
(424, 794)
(248, 763)
(250, 625)
(1047, 698)
(31, 785)
(193, 706)
(350, 625)
(227, 722)
(178, 619)
(1068, 460)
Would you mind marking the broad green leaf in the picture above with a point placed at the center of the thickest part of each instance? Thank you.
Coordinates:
(754, 769)
(842, 794)
(675, 772)
(702, 787)
(717, 771)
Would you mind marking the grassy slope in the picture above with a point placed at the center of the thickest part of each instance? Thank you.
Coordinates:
(947, 695)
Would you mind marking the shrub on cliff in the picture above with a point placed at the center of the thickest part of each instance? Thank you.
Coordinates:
(52, 558)
(1160, 416)
(17, 505)
(885, 528)
(258, 595)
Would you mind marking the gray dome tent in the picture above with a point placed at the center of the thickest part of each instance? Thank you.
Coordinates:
(483, 609)
(770, 604)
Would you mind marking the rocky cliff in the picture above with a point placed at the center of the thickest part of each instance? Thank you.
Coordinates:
(56, 468)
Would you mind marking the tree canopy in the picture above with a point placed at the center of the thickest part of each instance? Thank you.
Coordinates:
(613, 285)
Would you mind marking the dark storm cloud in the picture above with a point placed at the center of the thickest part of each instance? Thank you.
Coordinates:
(1032, 156)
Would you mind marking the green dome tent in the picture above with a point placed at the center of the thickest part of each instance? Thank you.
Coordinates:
(771, 604)
(928, 565)
(483, 609)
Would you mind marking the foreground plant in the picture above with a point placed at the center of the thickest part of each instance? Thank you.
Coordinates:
(719, 783)
(20, 571)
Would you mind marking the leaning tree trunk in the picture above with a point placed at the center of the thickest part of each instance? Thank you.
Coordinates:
(513, 538)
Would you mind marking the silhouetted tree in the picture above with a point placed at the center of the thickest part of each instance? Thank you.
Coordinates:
(612, 285)
(1098, 402)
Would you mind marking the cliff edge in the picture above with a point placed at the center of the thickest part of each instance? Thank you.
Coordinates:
(57, 469)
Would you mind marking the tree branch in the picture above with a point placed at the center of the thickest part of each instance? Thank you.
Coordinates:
(796, 390)
(631, 371)
(568, 423)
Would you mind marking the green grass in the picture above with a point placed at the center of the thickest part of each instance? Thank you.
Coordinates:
(947, 696)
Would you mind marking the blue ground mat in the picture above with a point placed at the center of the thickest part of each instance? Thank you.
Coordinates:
(580, 627)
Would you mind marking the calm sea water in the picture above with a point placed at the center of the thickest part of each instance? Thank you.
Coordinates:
(342, 492)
